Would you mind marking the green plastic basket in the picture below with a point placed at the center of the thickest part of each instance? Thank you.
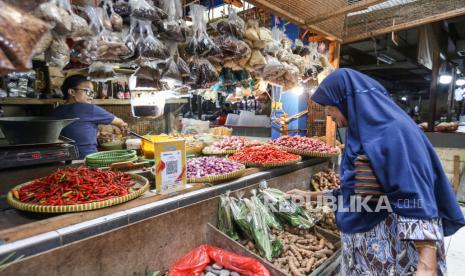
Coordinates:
(106, 158)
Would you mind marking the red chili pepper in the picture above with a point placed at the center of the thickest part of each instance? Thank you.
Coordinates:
(76, 185)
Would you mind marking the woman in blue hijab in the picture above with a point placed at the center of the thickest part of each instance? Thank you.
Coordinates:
(387, 159)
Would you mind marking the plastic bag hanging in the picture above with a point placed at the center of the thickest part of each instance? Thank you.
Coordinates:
(272, 47)
(174, 28)
(151, 47)
(115, 19)
(56, 12)
(147, 104)
(101, 72)
(142, 10)
(57, 54)
(232, 26)
(19, 32)
(200, 44)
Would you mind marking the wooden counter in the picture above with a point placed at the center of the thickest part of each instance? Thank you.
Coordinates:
(182, 216)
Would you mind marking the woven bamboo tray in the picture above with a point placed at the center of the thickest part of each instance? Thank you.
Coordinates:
(270, 165)
(218, 178)
(310, 153)
(141, 181)
(205, 151)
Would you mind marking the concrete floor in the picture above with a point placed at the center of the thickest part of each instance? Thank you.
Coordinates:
(455, 250)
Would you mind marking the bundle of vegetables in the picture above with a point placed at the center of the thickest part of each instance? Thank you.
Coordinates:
(225, 217)
(286, 209)
(260, 230)
(263, 155)
(231, 143)
(210, 166)
(325, 180)
(303, 144)
(76, 185)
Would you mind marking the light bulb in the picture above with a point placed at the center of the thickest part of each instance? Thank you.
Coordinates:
(460, 82)
(445, 79)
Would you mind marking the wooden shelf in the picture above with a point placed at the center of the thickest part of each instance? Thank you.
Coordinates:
(30, 101)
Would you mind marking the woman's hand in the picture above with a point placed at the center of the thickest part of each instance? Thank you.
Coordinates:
(427, 258)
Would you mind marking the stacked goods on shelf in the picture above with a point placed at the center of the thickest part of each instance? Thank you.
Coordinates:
(212, 169)
(305, 146)
(229, 144)
(264, 156)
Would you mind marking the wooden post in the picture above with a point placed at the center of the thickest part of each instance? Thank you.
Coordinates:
(331, 126)
(434, 79)
(451, 95)
(456, 176)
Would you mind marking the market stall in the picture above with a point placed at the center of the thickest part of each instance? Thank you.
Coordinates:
(152, 191)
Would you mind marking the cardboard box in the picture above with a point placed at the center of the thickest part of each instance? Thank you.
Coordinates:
(170, 164)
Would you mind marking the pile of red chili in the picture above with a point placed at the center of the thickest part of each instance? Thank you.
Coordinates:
(76, 185)
(263, 154)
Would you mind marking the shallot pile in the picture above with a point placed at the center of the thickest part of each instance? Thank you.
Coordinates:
(210, 166)
(231, 143)
(263, 154)
(303, 143)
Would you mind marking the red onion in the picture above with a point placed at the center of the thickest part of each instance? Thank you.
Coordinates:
(210, 166)
(303, 143)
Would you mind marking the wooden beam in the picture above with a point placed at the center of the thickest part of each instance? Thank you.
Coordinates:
(342, 11)
(292, 18)
(406, 25)
(434, 77)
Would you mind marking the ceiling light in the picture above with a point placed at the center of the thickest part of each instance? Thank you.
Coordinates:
(460, 82)
(445, 79)
(404, 98)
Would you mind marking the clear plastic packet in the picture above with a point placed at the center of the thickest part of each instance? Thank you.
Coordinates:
(147, 104)
(56, 11)
(260, 230)
(79, 28)
(266, 213)
(175, 67)
(115, 19)
(200, 44)
(5, 65)
(101, 72)
(172, 29)
(225, 217)
(232, 48)
(265, 34)
(252, 31)
(44, 43)
(272, 47)
(130, 41)
(203, 73)
(147, 77)
(231, 26)
(240, 214)
(273, 69)
(106, 45)
(19, 32)
(57, 54)
(142, 10)
(257, 60)
(150, 47)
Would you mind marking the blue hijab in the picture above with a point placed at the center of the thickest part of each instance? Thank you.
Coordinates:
(401, 156)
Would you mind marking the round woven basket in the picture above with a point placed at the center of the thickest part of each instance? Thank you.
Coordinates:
(218, 178)
(141, 182)
(310, 153)
(106, 158)
(270, 165)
